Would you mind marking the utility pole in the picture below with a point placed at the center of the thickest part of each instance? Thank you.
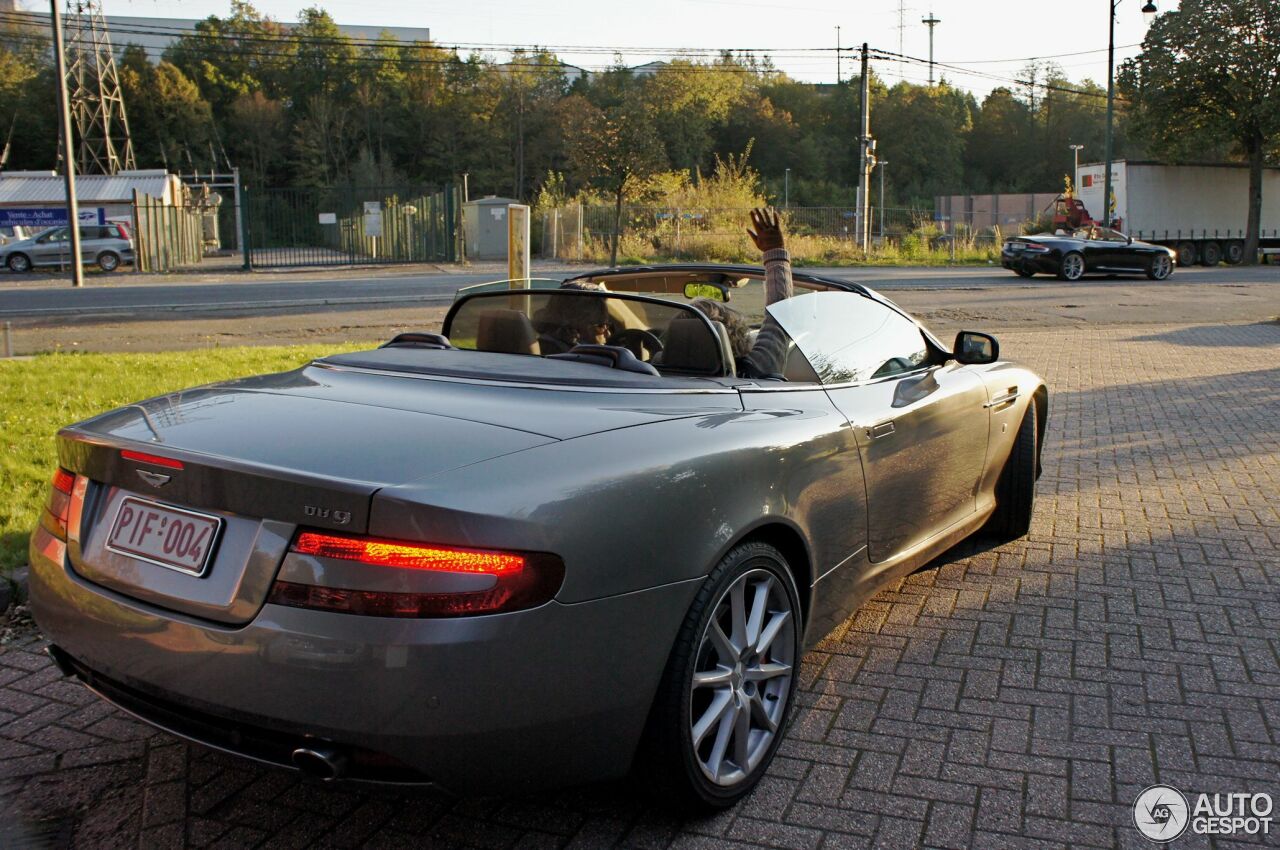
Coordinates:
(866, 157)
(931, 22)
(68, 160)
(902, 30)
(837, 55)
(786, 188)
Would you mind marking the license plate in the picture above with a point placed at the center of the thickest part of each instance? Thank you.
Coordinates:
(1015, 247)
(170, 537)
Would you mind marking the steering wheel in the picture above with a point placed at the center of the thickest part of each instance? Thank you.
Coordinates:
(635, 339)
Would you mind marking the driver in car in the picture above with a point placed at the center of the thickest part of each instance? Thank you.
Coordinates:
(566, 322)
(766, 357)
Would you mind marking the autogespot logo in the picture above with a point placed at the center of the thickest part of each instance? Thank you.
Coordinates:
(1160, 813)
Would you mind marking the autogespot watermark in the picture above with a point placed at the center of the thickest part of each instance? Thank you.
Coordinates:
(1162, 813)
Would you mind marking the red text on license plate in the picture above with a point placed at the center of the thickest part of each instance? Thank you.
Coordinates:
(170, 537)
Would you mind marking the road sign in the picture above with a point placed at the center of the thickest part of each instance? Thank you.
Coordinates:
(372, 218)
(48, 216)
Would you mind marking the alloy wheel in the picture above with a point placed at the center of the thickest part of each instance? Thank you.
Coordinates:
(742, 677)
(1161, 267)
(1073, 267)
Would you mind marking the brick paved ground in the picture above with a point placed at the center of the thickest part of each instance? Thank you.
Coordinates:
(1011, 697)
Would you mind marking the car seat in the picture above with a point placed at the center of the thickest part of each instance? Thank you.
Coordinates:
(506, 332)
(687, 348)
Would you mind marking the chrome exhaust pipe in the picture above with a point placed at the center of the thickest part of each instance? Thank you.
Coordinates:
(321, 762)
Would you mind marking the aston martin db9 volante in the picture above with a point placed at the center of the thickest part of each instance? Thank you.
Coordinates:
(503, 558)
(1087, 250)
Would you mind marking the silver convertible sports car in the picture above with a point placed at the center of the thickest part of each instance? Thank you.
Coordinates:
(560, 541)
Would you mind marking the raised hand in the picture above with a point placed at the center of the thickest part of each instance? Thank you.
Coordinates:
(768, 230)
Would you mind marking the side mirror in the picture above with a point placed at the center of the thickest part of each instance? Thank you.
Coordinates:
(706, 290)
(974, 347)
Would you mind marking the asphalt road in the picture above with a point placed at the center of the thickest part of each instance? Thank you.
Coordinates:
(248, 294)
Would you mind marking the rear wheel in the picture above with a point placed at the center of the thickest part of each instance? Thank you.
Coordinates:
(1072, 266)
(1210, 254)
(19, 263)
(1016, 489)
(1187, 255)
(1233, 252)
(719, 713)
(1160, 266)
(108, 261)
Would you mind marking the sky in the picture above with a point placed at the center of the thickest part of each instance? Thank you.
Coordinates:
(988, 38)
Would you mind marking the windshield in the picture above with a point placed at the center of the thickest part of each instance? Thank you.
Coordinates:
(1105, 234)
(673, 338)
(849, 338)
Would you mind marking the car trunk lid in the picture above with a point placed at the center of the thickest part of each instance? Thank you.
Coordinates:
(259, 464)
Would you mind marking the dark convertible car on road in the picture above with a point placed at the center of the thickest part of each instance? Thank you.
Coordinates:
(504, 559)
(1087, 250)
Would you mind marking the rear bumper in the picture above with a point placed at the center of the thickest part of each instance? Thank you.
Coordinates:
(1041, 263)
(529, 700)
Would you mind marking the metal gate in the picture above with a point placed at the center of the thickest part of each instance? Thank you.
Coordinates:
(351, 226)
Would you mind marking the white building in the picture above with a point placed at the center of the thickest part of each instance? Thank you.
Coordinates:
(36, 199)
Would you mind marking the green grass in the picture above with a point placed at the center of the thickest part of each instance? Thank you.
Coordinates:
(40, 395)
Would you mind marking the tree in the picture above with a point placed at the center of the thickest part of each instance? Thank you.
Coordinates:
(168, 119)
(920, 131)
(1211, 71)
(614, 148)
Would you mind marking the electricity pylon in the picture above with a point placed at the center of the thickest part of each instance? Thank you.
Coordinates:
(97, 105)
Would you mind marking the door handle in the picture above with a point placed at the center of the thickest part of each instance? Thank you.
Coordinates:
(1007, 398)
(884, 429)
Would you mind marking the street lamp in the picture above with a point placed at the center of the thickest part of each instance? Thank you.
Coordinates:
(1149, 12)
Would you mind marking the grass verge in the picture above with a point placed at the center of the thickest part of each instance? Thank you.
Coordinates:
(40, 395)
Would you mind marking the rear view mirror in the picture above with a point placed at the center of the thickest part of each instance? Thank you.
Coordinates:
(975, 347)
(705, 290)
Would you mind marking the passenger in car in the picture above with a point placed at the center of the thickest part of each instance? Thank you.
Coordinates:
(566, 322)
(766, 357)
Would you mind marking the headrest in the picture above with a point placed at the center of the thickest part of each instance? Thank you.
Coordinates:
(688, 347)
(506, 332)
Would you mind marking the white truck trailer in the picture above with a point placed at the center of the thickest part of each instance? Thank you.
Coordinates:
(1198, 210)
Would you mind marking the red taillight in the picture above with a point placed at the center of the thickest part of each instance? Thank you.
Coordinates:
(154, 460)
(494, 581)
(63, 481)
(58, 509)
(410, 556)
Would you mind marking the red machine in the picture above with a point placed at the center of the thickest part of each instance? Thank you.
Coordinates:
(1070, 213)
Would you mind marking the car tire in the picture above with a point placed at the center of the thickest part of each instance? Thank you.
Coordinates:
(1210, 254)
(1160, 267)
(19, 263)
(108, 261)
(1072, 266)
(1016, 487)
(1187, 254)
(694, 740)
(1025, 273)
(1233, 252)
